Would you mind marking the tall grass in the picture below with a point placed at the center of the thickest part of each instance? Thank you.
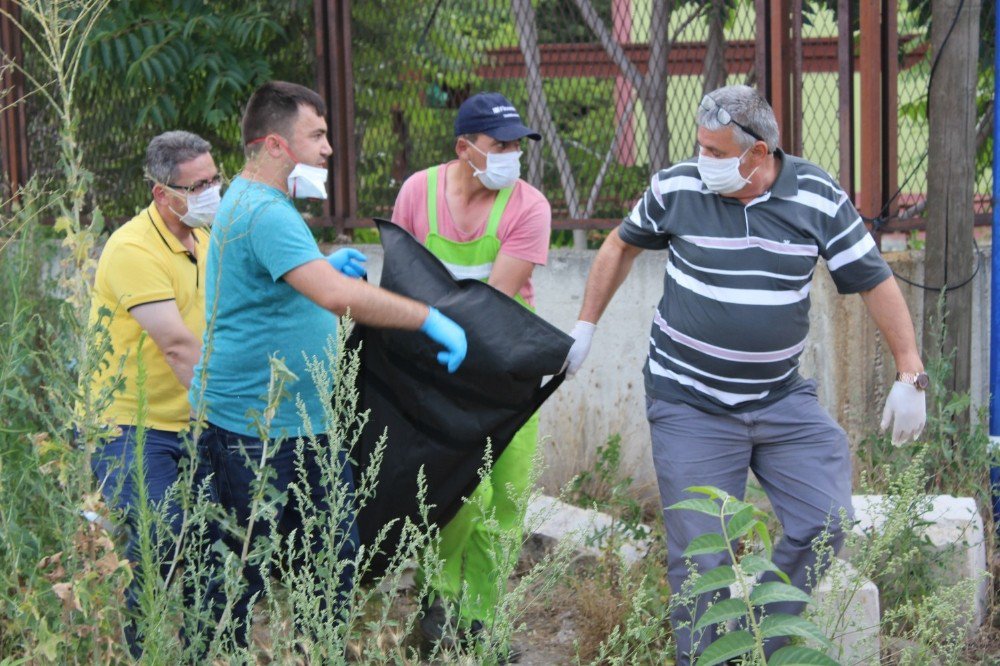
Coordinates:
(63, 576)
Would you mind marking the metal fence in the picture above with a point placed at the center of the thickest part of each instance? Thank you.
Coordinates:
(612, 85)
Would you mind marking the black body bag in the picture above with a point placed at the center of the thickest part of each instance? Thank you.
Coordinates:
(435, 420)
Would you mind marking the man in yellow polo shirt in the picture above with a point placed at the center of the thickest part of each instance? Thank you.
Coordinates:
(151, 276)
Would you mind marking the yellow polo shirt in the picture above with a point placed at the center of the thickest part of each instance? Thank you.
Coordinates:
(143, 262)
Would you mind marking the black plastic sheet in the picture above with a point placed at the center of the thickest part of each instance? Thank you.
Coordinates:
(438, 421)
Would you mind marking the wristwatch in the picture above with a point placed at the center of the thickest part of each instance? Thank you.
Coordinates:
(920, 380)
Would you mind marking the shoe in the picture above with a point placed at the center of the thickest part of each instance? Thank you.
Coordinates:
(437, 625)
(475, 636)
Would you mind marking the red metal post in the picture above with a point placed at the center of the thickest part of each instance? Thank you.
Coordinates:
(870, 195)
(890, 102)
(621, 18)
(335, 80)
(762, 47)
(13, 124)
(795, 92)
(781, 63)
(845, 89)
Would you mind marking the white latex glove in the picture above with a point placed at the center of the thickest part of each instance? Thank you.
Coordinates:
(582, 334)
(906, 410)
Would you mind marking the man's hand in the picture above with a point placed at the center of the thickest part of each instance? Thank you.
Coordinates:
(582, 334)
(906, 410)
(348, 261)
(449, 335)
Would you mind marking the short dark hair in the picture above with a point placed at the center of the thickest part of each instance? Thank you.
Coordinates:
(273, 107)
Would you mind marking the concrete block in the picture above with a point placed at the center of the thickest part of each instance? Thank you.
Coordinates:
(955, 528)
(847, 609)
(550, 521)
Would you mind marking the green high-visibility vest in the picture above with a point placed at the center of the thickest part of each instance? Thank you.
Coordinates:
(470, 259)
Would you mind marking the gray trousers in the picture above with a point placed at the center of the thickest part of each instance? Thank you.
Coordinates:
(802, 460)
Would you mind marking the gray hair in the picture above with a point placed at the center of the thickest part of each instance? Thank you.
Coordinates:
(747, 107)
(169, 150)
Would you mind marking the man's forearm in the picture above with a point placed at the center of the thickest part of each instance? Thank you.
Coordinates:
(182, 358)
(380, 308)
(610, 268)
(888, 310)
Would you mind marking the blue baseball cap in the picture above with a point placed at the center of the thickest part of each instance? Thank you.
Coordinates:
(492, 114)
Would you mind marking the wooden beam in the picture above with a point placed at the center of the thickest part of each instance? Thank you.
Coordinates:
(948, 259)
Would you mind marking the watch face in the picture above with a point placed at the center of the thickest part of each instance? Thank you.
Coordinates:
(922, 381)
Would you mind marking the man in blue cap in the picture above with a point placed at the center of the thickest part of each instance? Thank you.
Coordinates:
(483, 222)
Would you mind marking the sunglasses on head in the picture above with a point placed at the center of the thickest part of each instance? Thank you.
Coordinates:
(709, 105)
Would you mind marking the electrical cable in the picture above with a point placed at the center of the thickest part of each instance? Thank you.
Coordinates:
(430, 22)
(881, 219)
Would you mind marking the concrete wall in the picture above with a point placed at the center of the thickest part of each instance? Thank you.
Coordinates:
(844, 354)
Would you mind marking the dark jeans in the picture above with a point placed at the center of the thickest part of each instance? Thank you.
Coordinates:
(235, 459)
(115, 465)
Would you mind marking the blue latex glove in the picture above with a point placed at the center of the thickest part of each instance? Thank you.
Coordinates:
(348, 261)
(449, 335)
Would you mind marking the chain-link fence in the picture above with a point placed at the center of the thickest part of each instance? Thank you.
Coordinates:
(150, 67)
(915, 62)
(613, 86)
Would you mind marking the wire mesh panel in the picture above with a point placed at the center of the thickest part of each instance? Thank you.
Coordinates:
(915, 61)
(150, 67)
(820, 119)
(612, 85)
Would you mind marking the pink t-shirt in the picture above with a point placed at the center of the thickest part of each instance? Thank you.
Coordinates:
(523, 232)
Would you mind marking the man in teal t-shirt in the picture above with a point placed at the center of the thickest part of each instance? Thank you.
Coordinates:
(270, 293)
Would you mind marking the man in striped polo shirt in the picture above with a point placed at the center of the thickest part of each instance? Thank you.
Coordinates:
(744, 225)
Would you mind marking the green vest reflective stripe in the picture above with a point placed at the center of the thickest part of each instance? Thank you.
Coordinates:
(470, 259)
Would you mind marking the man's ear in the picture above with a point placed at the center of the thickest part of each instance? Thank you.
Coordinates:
(160, 194)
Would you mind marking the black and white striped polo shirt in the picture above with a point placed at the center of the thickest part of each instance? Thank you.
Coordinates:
(734, 316)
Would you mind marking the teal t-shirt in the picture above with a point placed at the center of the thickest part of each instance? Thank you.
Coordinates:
(251, 313)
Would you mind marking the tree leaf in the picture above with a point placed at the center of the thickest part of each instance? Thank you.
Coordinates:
(755, 564)
(716, 579)
(706, 544)
(706, 506)
(765, 538)
(782, 624)
(769, 593)
(711, 491)
(726, 647)
(721, 611)
(742, 522)
(796, 655)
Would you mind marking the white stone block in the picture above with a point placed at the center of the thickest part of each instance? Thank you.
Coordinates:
(550, 521)
(846, 608)
(955, 529)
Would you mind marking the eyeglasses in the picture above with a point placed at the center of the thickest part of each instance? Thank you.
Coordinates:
(709, 105)
(198, 187)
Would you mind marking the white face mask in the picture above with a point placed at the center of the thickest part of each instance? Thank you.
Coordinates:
(502, 169)
(202, 207)
(722, 174)
(307, 182)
